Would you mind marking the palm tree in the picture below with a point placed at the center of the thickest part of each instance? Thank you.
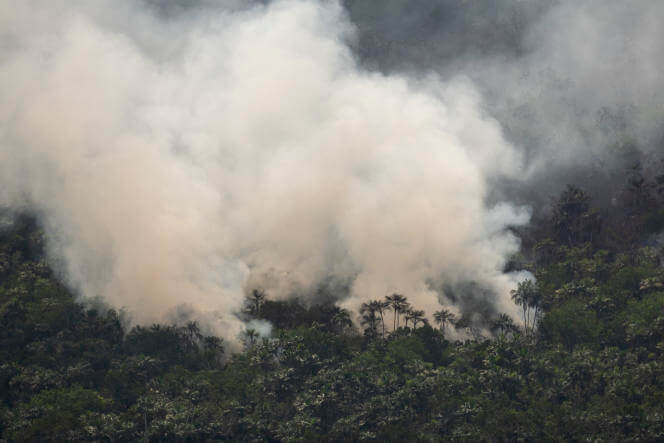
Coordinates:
(191, 334)
(407, 315)
(251, 336)
(398, 303)
(369, 319)
(534, 303)
(503, 324)
(193, 331)
(379, 307)
(391, 302)
(417, 317)
(527, 295)
(443, 318)
(404, 306)
(256, 300)
(341, 319)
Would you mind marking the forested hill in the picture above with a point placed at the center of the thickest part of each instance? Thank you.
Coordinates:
(589, 364)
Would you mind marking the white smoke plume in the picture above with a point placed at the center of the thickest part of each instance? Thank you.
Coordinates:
(180, 160)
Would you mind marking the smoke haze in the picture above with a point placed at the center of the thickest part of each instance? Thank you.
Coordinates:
(577, 87)
(184, 155)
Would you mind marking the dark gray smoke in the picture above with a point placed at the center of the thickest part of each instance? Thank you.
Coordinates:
(577, 86)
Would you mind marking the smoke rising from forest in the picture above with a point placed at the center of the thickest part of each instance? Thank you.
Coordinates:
(185, 155)
(576, 86)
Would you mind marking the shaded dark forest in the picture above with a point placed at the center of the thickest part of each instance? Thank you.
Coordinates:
(587, 361)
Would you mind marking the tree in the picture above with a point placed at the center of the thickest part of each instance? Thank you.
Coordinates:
(527, 296)
(250, 337)
(407, 315)
(399, 304)
(573, 220)
(213, 351)
(369, 319)
(639, 190)
(503, 325)
(659, 180)
(417, 316)
(341, 319)
(255, 301)
(443, 318)
(192, 333)
(380, 307)
(572, 324)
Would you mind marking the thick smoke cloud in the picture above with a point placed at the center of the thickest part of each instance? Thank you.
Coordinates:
(592, 80)
(577, 87)
(181, 159)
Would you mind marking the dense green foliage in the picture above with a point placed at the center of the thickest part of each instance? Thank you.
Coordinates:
(587, 363)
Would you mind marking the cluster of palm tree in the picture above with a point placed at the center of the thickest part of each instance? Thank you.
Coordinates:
(528, 296)
(444, 318)
(373, 315)
(254, 302)
(376, 322)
